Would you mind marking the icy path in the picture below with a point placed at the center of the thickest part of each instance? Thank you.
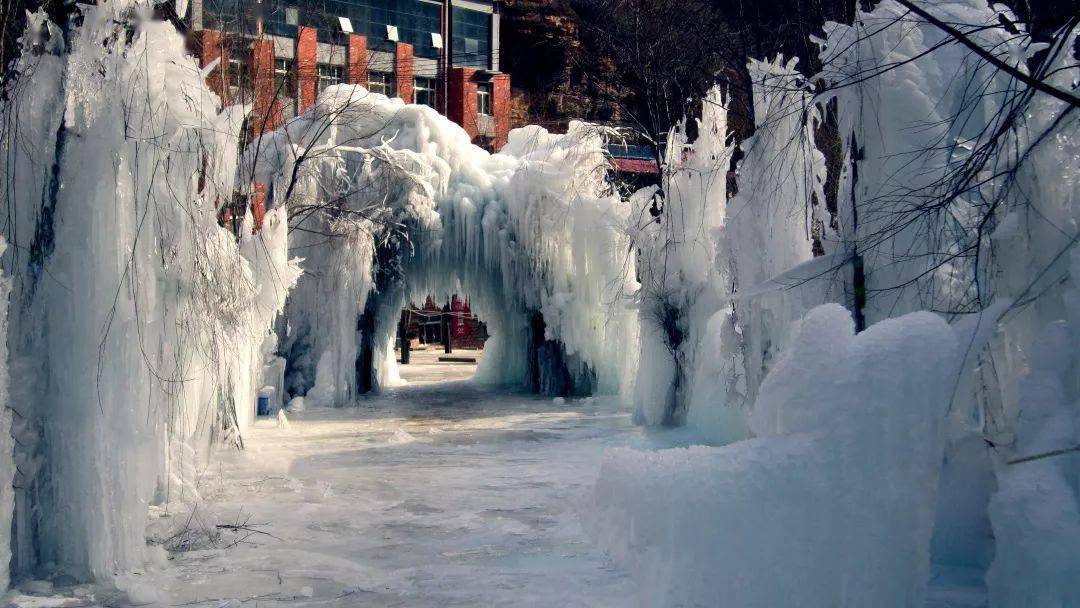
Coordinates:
(443, 494)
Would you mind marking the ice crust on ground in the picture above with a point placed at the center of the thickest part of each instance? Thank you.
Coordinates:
(470, 512)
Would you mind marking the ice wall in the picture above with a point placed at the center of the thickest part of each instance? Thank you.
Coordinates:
(916, 107)
(1035, 363)
(958, 193)
(727, 279)
(7, 443)
(779, 209)
(1035, 511)
(138, 323)
(683, 269)
(950, 145)
(533, 228)
(832, 504)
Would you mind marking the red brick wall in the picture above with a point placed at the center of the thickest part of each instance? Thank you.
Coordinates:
(258, 206)
(266, 109)
(357, 60)
(403, 71)
(500, 106)
(265, 112)
(462, 106)
(307, 67)
(210, 45)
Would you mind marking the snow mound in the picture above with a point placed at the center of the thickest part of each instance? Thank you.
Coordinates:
(297, 404)
(837, 492)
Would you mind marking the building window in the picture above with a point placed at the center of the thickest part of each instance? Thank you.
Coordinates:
(381, 82)
(483, 98)
(472, 38)
(283, 79)
(424, 91)
(239, 79)
(329, 75)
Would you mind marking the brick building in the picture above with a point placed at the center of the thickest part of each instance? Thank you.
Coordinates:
(431, 324)
(279, 54)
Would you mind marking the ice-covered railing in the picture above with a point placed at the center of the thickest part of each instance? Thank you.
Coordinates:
(531, 229)
(138, 325)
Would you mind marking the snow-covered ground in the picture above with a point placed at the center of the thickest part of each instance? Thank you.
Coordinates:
(425, 367)
(433, 494)
(440, 492)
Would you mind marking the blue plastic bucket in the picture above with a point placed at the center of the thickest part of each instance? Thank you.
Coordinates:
(263, 407)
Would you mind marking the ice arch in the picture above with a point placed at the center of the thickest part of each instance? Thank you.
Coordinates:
(389, 199)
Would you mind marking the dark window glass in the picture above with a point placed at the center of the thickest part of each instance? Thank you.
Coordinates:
(415, 20)
(283, 79)
(381, 82)
(483, 98)
(424, 91)
(471, 38)
(329, 75)
(239, 80)
(237, 16)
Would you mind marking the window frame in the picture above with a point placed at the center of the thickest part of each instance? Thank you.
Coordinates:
(484, 94)
(384, 81)
(239, 78)
(327, 75)
(428, 87)
(284, 78)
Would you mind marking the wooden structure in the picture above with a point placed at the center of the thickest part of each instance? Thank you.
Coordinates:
(451, 325)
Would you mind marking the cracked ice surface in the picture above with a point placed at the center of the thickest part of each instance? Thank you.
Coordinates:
(433, 494)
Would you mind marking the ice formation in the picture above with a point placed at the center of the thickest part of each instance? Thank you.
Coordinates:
(987, 186)
(920, 127)
(1036, 510)
(772, 219)
(140, 330)
(7, 444)
(832, 502)
(764, 250)
(679, 284)
(138, 323)
(532, 232)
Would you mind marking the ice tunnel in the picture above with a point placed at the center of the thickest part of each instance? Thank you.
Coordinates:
(389, 201)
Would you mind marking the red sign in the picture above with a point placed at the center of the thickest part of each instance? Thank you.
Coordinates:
(459, 317)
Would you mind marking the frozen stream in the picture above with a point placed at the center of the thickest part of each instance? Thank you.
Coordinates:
(433, 494)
